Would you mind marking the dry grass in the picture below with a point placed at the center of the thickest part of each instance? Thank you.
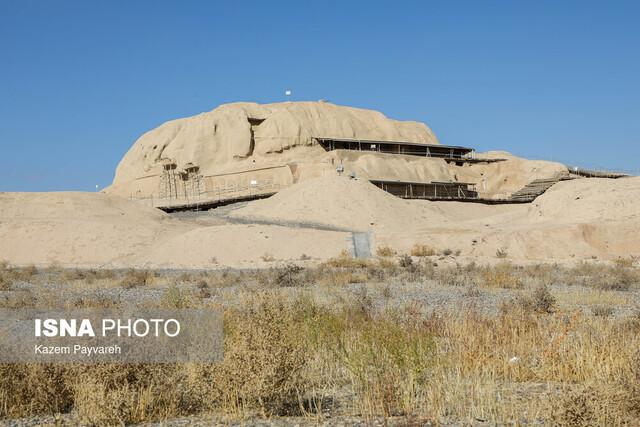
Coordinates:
(385, 251)
(422, 251)
(134, 278)
(627, 262)
(540, 301)
(289, 358)
(346, 260)
(501, 276)
(289, 354)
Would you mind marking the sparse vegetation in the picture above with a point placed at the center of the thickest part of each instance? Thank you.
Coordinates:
(134, 278)
(602, 310)
(290, 353)
(501, 253)
(5, 283)
(540, 301)
(422, 251)
(385, 251)
(501, 276)
(346, 260)
(267, 258)
(626, 262)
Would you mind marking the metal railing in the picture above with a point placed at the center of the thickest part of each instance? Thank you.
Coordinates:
(215, 194)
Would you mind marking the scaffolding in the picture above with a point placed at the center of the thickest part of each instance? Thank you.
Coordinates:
(168, 183)
(183, 184)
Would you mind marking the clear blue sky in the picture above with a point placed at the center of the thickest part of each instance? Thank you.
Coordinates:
(80, 81)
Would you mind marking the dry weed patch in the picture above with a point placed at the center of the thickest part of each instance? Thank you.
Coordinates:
(501, 276)
(422, 251)
(287, 353)
(385, 251)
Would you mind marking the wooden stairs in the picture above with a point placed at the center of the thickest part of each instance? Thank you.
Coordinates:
(532, 190)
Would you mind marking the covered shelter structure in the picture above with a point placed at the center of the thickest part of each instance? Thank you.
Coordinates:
(447, 152)
(429, 190)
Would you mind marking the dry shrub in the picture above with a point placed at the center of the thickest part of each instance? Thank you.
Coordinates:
(175, 298)
(267, 257)
(405, 261)
(23, 298)
(625, 262)
(501, 253)
(388, 361)
(345, 260)
(105, 274)
(501, 276)
(614, 278)
(69, 275)
(264, 356)
(96, 404)
(382, 269)
(5, 283)
(186, 277)
(453, 276)
(602, 310)
(134, 278)
(31, 389)
(385, 251)
(422, 250)
(224, 279)
(10, 275)
(594, 405)
(288, 275)
(114, 394)
(387, 264)
(540, 301)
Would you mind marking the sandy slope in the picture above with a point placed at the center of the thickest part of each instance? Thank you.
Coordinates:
(93, 230)
(574, 220)
(340, 201)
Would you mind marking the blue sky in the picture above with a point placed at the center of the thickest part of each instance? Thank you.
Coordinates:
(81, 81)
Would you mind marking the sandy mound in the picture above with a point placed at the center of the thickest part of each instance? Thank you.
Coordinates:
(499, 179)
(573, 220)
(582, 200)
(76, 228)
(98, 230)
(342, 202)
(74, 206)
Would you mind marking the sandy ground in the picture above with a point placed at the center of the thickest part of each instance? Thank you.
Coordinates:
(574, 220)
(96, 230)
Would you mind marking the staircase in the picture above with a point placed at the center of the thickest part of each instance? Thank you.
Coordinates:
(529, 192)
